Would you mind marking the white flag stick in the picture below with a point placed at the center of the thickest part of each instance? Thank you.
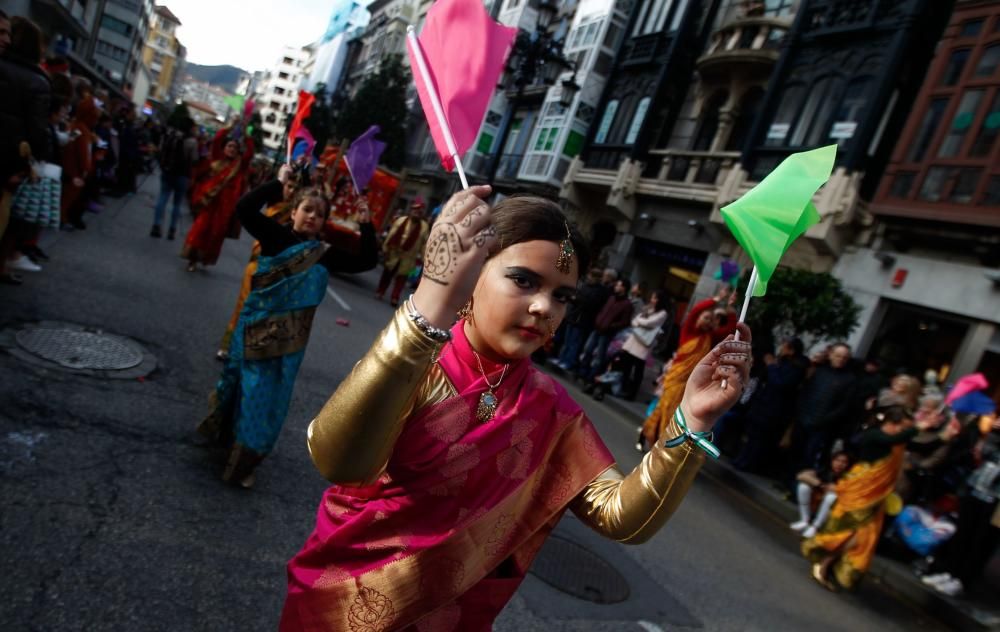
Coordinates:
(347, 163)
(425, 76)
(751, 285)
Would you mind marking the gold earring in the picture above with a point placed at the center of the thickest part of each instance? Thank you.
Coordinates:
(466, 312)
(566, 252)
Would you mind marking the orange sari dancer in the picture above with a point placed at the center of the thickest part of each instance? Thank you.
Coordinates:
(213, 200)
(698, 332)
(453, 457)
(281, 213)
(844, 547)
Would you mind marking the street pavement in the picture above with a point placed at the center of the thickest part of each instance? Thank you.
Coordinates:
(112, 517)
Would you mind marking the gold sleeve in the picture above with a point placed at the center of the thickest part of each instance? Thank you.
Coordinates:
(352, 438)
(631, 509)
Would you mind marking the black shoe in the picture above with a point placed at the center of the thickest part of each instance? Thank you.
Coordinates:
(35, 253)
(155, 232)
(171, 234)
(589, 388)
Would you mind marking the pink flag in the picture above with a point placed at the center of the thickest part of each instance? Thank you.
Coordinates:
(966, 385)
(303, 140)
(465, 51)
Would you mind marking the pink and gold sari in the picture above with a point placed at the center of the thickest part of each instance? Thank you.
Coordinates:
(444, 537)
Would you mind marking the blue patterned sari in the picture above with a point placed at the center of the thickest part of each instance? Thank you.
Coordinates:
(251, 399)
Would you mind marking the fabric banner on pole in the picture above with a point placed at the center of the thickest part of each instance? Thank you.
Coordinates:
(465, 51)
(363, 155)
(776, 212)
(306, 100)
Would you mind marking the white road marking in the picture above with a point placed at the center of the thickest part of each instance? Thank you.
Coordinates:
(649, 627)
(337, 298)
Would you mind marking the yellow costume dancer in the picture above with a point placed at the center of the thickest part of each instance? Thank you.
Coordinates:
(846, 543)
(696, 338)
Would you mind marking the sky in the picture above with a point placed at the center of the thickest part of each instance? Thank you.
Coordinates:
(248, 34)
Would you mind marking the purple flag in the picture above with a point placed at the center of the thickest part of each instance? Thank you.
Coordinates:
(363, 155)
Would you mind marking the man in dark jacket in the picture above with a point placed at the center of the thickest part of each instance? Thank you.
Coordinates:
(773, 405)
(613, 317)
(24, 111)
(590, 298)
(825, 407)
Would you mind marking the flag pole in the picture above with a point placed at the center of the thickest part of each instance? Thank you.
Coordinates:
(347, 163)
(751, 286)
(425, 76)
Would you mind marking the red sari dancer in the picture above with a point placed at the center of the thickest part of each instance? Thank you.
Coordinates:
(453, 458)
(213, 200)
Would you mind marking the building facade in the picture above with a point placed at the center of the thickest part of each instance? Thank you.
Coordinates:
(164, 55)
(927, 271)
(279, 94)
(118, 35)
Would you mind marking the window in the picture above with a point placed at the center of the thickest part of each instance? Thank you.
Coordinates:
(987, 135)
(934, 184)
(606, 120)
(748, 112)
(546, 138)
(791, 102)
(988, 62)
(611, 37)
(279, 91)
(709, 125)
(956, 64)
(991, 197)
(965, 185)
(851, 109)
(287, 61)
(637, 120)
(590, 35)
(116, 25)
(952, 143)
(815, 120)
(679, 11)
(902, 184)
(778, 8)
(652, 17)
(971, 28)
(513, 4)
(282, 75)
(928, 126)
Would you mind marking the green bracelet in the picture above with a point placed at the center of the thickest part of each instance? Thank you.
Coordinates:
(701, 439)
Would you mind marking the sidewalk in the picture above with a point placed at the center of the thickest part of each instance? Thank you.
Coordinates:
(958, 613)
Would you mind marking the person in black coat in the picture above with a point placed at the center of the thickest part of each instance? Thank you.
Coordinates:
(772, 408)
(24, 127)
(826, 407)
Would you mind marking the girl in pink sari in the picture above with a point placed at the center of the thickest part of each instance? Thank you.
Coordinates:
(453, 458)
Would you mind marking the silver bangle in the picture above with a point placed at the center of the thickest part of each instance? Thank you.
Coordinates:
(434, 333)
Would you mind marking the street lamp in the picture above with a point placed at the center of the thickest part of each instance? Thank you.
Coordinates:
(535, 60)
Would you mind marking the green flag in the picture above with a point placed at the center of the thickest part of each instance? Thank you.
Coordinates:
(779, 209)
(235, 101)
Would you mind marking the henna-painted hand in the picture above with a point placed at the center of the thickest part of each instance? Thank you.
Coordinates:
(705, 399)
(456, 250)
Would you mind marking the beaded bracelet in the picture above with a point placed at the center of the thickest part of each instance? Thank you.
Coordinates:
(701, 439)
(434, 333)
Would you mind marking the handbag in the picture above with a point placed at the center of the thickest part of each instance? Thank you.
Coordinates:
(37, 202)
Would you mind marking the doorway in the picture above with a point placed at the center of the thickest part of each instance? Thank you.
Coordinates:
(913, 339)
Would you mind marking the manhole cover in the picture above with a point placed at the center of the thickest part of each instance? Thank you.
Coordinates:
(79, 349)
(574, 570)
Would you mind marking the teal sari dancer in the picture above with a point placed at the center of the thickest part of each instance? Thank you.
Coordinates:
(252, 396)
(251, 399)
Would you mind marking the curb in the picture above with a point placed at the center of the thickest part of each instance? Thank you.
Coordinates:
(955, 613)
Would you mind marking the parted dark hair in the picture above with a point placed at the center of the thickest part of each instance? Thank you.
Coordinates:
(26, 41)
(892, 414)
(312, 192)
(522, 218)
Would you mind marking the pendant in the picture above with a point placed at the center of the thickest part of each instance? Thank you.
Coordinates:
(487, 406)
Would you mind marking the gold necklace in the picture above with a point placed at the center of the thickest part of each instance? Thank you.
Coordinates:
(488, 401)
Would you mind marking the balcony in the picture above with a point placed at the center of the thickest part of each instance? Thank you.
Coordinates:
(691, 175)
(745, 42)
(62, 16)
